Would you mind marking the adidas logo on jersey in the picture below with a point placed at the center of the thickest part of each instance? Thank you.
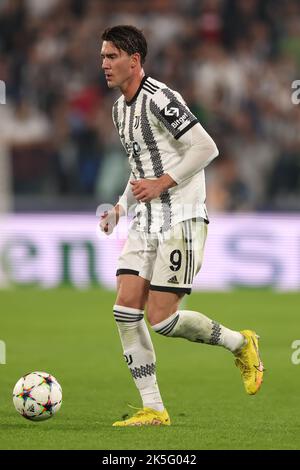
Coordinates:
(173, 280)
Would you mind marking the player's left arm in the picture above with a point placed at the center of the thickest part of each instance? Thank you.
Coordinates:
(171, 112)
(145, 190)
(201, 150)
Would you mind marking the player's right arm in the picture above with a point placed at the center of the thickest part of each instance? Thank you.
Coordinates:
(127, 201)
(111, 218)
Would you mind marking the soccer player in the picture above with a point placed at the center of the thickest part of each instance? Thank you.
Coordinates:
(168, 150)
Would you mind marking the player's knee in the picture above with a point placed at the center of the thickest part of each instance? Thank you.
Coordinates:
(132, 291)
(152, 320)
(156, 315)
(159, 308)
(129, 299)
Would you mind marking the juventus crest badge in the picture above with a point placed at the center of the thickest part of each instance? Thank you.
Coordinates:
(136, 121)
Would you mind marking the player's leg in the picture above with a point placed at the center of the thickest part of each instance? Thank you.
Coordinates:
(179, 259)
(197, 327)
(132, 291)
(135, 338)
(165, 318)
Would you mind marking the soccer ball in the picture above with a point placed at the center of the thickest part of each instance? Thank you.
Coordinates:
(37, 396)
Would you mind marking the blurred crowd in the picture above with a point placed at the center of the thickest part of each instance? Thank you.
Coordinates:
(234, 62)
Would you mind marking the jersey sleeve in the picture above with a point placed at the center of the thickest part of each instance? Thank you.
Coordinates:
(127, 200)
(171, 111)
(115, 115)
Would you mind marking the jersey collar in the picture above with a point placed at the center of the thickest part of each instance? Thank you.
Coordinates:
(129, 103)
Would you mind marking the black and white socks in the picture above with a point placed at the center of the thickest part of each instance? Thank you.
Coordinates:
(139, 354)
(138, 349)
(196, 327)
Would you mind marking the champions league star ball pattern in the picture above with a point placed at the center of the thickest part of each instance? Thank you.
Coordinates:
(37, 396)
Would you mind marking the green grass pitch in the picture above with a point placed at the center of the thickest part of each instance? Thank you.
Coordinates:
(72, 335)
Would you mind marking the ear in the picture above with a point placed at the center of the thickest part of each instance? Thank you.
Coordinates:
(135, 59)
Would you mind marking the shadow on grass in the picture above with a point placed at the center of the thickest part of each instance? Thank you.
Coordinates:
(43, 427)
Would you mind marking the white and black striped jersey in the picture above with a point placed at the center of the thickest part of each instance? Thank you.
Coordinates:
(153, 127)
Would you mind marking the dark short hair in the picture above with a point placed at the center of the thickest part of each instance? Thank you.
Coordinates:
(128, 38)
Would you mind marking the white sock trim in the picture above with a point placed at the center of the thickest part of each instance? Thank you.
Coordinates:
(121, 308)
(127, 314)
(164, 326)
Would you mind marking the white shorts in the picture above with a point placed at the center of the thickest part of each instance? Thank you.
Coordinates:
(169, 260)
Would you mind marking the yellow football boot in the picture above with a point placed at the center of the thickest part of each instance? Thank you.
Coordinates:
(146, 417)
(249, 363)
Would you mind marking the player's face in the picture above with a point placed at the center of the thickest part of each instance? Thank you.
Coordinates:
(116, 63)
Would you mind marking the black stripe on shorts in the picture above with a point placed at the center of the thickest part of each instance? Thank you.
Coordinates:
(127, 271)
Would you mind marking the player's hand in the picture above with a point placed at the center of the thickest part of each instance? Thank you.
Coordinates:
(109, 220)
(145, 190)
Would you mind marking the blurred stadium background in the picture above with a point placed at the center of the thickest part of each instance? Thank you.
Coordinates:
(234, 61)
